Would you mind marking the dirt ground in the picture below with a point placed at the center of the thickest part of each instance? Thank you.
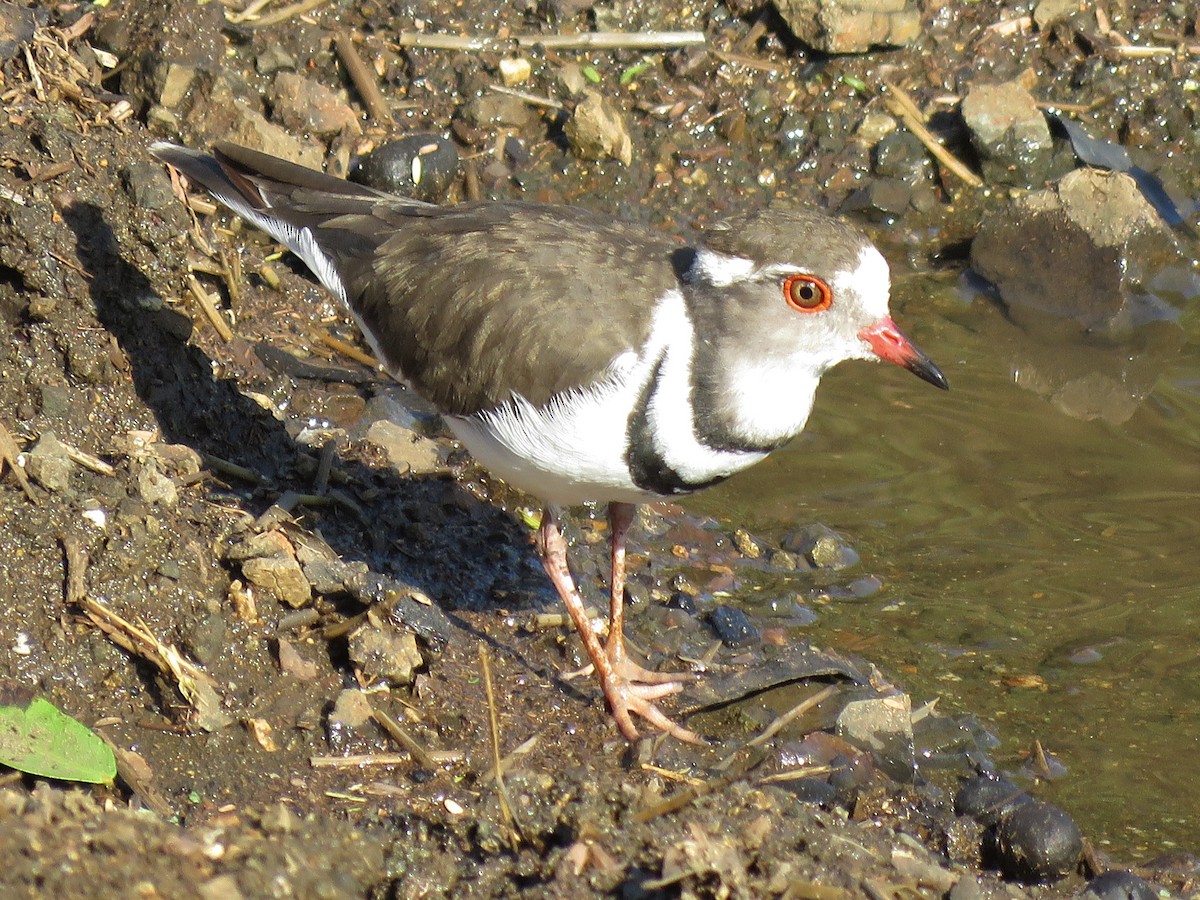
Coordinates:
(286, 787)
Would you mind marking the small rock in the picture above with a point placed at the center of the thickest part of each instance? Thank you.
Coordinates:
(852, 26)
(351, 710)
(985, 798)
(746, 545)
(305, 105)
(1037, 842)
(48, 464)
(1048, 12)
(273, 59)
(422, 166)
(733, 626)
(206, 640)
(1119, 885)
(596, 130)
(1009, 132)
(408, 451)
(385, 654)
(1090, 248)
(293, 664)
(882, 725)
(514, 70)
(497, 111)
(153, 487)
(822, 546)
(282, 576)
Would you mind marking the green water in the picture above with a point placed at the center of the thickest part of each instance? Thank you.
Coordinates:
(1015, 540)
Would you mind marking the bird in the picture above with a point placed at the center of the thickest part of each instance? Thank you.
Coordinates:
(581, 358)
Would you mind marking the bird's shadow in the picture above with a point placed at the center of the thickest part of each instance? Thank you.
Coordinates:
(426, 532)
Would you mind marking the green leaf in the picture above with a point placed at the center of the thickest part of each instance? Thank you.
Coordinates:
(635, 70)
(39, 740)
(592, 74)
(855, 82)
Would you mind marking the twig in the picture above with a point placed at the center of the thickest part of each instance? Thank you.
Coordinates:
(741, 59)
(206, 306)
(902, 106)
(195, 686)
(781, 722)
(250, 12)
(358, 761)
(345, 348)
(430, 759)
(531, 99)
(591, 40)
(38, 88)
(363, 78)
(75, 558)
(225, 467)
(9, 455)
(85, 459)
(287, 12)
(514, 831)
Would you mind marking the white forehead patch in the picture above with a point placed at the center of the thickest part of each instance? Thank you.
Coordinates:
(718, 269)
(871, 280)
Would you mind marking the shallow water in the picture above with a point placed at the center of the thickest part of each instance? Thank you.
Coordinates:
(1015, 539)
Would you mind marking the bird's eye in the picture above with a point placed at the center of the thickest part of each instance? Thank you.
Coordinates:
(807, 293)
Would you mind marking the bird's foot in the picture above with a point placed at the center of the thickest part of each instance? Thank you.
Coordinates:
(631, 690)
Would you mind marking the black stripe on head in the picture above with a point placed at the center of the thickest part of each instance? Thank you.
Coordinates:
(647, 467)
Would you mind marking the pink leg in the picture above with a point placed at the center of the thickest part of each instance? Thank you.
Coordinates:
(625, 694)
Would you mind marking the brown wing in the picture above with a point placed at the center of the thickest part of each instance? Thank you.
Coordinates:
(469, 303)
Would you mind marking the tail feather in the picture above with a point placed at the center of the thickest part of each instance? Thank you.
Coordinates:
(318, 217)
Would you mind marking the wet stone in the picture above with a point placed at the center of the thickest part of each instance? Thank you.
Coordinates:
(406, 450)
(596, 130)
(282, 576)
(1119, 885)
(422, 166)
(746, 545)
(206, 639)
(822, 546)
(1009, 132)
(986, 797)
(882, 725)
(385, 654)
(1037, 842)
(733, 626)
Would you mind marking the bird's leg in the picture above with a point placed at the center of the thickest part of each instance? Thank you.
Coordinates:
(620, 517)
(624, 695)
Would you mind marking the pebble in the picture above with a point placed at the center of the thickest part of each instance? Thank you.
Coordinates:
(986, 797)
(422, 166)
(48, 464)
(596, 130)
(1037, 842)
(822, 546)
(1119, 885)
(385, 654)
(733, 626)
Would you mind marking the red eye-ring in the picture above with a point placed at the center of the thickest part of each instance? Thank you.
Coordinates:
(807, 293)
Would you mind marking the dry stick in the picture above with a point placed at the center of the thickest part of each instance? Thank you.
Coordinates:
(531, 99)
(76, 561)
(363, 78)
(250, 11)
(902, 106)
(206, 306)
(10, 455)
(592, 40)
(778, 724)
(287, 12)
(430, 759)
(345, 348)
(358, 761)
(514, 831)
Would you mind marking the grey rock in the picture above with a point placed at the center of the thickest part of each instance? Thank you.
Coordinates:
(282, 576)
(852, 26)
(882, 725)
(1009, 132)
(1090, 248)
(302, 104)
(597, 130)
(408, 451)
(153, 487)
(823, 547)
(48, 464)
(385, 654)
